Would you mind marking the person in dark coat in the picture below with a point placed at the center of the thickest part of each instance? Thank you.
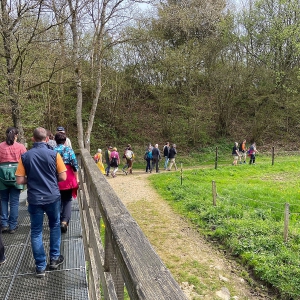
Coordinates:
(166, 154)
(155, 158)
(172, 154)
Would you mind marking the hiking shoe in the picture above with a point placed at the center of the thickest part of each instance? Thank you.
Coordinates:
(40, 273)
(54, 263)
(12, 231)
(4, 229)
(63, 227)
(2, 261)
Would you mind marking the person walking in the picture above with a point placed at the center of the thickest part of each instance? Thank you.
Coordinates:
(107, 159)
(10, 153)
(129, 155)
(242, 152)
(41, 168)
(235, 153)
(155, 158)
(114, 161)
(98, 161)
(252, 153)
(172, 155)
(166, 154)
(126, 166)
(68, 188)
(148, 158)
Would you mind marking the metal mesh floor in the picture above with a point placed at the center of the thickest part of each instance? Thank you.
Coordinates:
(17, 275)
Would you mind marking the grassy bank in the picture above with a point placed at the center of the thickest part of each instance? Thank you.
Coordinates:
(248, 219)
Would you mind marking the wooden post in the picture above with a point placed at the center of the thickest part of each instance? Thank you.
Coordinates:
(286, 221)
(181, 173)
(214, 193)
(273, 154)
(216, 160)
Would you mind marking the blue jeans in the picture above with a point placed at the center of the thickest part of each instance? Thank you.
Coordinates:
(36, 217)
(166, 162)
(148, 167)
(107, 169)
(11, 195)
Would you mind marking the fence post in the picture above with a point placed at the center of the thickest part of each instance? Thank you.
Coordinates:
(286, 221)
(273, 154)
(216, 160)
(214, 193)
(181, 173)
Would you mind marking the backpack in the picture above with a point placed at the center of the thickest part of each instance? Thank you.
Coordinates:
(96, 158)
(128, 154)
(240, 147)
(114, 162)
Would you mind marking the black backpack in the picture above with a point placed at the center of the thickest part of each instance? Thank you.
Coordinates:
(114, 162)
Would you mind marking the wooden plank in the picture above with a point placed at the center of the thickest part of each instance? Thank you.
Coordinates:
(145, 275)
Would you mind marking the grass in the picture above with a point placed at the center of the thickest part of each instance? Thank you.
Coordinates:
(248, 219)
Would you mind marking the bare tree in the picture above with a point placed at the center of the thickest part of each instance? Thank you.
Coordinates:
(23, 30)
(108, 18)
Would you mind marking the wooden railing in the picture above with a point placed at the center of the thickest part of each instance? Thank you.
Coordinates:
(126, 256)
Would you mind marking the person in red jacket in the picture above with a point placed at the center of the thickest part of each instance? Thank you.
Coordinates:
(10, 153)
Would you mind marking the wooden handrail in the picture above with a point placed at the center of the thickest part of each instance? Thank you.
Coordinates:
(126, 256)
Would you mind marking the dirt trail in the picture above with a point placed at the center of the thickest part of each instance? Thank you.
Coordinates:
(202, 271)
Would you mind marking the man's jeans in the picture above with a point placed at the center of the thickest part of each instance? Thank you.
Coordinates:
(36, 217)
(10, 198)
(166, 162)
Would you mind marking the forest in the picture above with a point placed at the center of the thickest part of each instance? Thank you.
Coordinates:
(115, 71)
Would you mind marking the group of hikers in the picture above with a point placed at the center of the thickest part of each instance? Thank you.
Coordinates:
(113, 160)
(152, 156)
(50, 171)
(240, 152)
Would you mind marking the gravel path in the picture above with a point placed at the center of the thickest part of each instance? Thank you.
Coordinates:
(208, 273)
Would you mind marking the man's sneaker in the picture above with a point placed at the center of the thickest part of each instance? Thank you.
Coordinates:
(12, 231)
(54, 263)
(40, 273)
(2, 261)
(63, 227)
(4, 229)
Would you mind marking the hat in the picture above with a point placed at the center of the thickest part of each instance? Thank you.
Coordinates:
(99, 150)
(114, 148)
(60, 128)
(110, 147)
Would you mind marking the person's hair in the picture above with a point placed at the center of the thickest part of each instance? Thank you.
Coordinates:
(60, 138)
(40, 134)
(11, 133)
(50, 134)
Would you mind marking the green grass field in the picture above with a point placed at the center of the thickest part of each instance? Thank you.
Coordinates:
(248, 219)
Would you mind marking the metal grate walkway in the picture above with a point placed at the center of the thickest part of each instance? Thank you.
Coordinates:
(17, 275)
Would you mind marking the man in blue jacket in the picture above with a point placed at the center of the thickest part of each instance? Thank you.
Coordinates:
(41, 168)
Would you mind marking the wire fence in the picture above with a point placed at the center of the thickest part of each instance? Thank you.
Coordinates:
(284, 210)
